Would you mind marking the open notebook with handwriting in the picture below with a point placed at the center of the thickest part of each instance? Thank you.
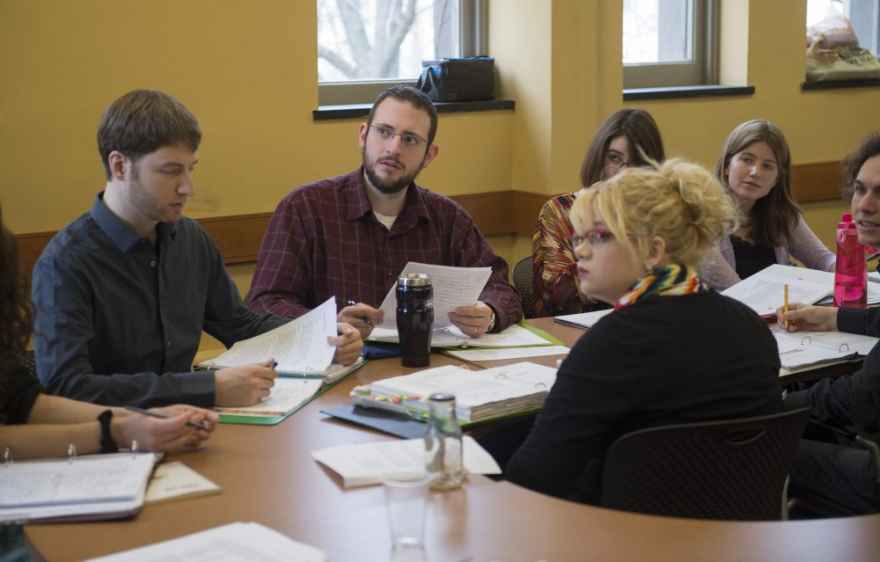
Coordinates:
(82, 488)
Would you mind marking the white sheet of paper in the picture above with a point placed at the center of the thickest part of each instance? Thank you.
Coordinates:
(300, 346)
(807, 348)
(584, 319)
(235, 542)
(371, 463)
(174, 479)
(472, 388)
(287, 394)
(764, 291)
(451, 336)
(507, 353)
(453, 287)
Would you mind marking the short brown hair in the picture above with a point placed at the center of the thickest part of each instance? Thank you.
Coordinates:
(869, 148)
(642, 134)
(143, 121)
(774, 216)
(416, 98)
(15, 310)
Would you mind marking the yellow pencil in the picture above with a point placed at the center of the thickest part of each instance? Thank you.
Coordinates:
(785, 305)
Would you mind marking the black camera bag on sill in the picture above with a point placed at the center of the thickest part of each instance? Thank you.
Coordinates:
(463, 79)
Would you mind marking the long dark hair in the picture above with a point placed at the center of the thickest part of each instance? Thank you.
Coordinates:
(641, 133)
(774, 216)
(15, 310)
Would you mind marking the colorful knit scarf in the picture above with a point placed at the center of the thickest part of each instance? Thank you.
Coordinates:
(663, 280)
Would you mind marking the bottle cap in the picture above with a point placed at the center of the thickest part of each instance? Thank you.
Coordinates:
(847, 217)
(441, 397)
(414, 280)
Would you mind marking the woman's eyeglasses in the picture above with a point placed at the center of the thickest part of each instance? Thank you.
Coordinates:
(595, 237)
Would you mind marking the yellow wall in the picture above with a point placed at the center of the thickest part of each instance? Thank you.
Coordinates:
(248, 72)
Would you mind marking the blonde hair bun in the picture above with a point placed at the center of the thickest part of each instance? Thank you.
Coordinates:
(677, 201)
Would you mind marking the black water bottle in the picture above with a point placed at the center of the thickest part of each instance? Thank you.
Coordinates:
(415, 318)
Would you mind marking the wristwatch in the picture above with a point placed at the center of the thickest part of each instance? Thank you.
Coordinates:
(108, 445)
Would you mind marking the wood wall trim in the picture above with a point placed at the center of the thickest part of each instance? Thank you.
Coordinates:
(816, 182)
(496, 213)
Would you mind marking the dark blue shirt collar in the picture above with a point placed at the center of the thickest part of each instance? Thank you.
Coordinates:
(121, 234)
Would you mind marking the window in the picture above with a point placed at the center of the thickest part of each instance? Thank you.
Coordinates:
(366, 45)
(669, 43)
(863, 14)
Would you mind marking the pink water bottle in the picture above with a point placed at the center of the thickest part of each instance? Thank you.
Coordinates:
(850, 273)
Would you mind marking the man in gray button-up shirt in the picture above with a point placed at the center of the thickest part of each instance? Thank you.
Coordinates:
(123, 293)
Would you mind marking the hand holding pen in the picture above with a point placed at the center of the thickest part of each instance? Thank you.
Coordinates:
(360, 315)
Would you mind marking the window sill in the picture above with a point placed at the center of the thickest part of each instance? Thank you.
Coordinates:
(837, 84)
(327, 112)
(679, 92)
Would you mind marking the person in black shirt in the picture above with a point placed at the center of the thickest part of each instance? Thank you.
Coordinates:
(845, 475)
(673, 351)
(53, 423)
(123, 293)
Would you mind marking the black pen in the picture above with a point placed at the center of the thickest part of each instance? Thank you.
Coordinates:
(143, 412)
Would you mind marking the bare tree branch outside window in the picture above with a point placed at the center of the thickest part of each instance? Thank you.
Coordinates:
(383, 39)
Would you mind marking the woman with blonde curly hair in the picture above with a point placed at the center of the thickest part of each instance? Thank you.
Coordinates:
(755, 167)
(664, 354)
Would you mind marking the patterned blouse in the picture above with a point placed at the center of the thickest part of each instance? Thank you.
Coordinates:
(554, 265)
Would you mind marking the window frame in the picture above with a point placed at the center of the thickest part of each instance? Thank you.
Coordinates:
(702, 70)
(473, 39)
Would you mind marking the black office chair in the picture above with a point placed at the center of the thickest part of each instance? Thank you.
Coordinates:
(522, 282)
(730, 469)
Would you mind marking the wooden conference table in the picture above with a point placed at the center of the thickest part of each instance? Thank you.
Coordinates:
(268, 476)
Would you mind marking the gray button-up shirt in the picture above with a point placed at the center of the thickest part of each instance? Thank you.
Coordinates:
(118, 319)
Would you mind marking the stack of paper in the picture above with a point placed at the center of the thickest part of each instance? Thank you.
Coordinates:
(303, 358)
(519, 335)
(175, 480)
(236, 542)
(479, 395)
(801, 351)
(371, 463)
(83, 488)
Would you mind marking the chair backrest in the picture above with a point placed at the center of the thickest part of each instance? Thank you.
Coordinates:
(729, 469)
(522, 282)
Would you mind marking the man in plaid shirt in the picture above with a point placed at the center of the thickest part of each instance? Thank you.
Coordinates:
(350, 236)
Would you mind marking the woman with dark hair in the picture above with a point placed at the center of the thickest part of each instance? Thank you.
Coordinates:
(630, 137)
(755, 167)
(54, 423)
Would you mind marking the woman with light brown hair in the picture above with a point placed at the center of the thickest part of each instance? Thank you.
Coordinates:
(666, 353)
(755, 167)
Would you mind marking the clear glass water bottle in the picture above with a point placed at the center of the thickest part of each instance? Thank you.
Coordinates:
(443, 449)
